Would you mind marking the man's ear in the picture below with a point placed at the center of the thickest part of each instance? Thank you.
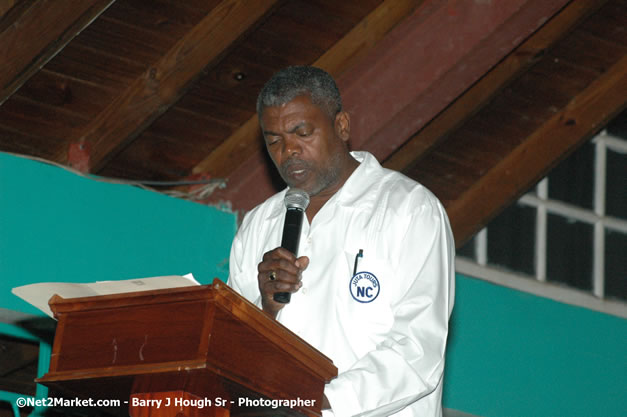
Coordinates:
(343, 126)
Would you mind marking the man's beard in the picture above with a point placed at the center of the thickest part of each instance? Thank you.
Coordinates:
(323, 178)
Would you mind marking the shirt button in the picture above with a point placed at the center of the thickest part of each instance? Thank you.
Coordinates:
(309, 240)
(304, 290)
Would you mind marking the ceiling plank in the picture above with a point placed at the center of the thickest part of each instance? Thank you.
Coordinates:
(11, 11)
(523, 57)
(581, 118)
(37, 34)
(436, 59)
(5, 6)
(445, 52)
(161, 85)
(245, 141)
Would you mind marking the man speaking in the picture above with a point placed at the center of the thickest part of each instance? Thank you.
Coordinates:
(372, 284)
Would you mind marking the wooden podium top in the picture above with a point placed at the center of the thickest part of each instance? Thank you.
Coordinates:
(205, 340)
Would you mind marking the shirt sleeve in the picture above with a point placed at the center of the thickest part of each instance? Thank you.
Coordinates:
(408, 365)
(242, 273)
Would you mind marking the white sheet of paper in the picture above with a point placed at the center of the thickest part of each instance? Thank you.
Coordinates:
(39, 294)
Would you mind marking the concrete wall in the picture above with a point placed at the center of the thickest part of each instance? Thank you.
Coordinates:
(515, 354)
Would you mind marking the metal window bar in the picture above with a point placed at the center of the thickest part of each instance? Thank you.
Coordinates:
(481, 247)
(541, 230)
(575, 213)
(603, 141)
(598, 260)
(612, 142)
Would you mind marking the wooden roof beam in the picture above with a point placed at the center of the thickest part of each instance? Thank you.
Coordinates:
(523, 57)
(37, 33)
(584, 115)
(424, 67)
(162, 84)
(420, 67)
(5, 6)
(246, 141)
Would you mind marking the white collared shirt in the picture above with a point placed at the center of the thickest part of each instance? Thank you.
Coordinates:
(384, 328)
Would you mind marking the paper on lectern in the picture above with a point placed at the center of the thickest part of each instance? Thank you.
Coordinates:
(39, 294)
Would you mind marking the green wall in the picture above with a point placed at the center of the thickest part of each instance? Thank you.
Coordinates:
(59, 226)
(515, 354)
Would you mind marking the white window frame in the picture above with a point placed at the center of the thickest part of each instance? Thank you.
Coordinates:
(538, 284)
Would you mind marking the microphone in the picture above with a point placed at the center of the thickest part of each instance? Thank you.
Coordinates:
(296, 202)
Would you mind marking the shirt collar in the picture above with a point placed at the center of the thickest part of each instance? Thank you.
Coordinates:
(354, 192)
(357, 191)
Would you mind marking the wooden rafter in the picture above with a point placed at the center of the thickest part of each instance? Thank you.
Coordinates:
(445, 51)
(37, 34)
(385, 112)
(523, 57)
(160, 86)
(5, 6)
(244, 142)
(575, 123)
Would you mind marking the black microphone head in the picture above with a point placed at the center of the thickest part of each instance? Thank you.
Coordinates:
(295, 198)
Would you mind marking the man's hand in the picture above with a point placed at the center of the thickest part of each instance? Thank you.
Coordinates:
(279, 271)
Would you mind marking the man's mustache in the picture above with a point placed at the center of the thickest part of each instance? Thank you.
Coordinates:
(293, 164)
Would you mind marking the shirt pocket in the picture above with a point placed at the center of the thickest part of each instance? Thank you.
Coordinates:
(364, 299)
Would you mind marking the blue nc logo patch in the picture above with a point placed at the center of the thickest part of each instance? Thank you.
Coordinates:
(364, 287)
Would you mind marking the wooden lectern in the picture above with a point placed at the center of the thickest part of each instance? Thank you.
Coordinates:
(204, 350)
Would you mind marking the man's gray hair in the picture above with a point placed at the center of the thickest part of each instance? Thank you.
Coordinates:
(291, 82)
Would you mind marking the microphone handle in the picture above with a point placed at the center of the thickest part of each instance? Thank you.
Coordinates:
(290, 241)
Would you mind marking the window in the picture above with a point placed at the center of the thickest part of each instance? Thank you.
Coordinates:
(566, 238)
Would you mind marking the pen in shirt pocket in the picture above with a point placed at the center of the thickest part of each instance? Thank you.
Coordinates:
(359, 255)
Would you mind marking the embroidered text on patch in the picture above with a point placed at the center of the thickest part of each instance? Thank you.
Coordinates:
(364, 287)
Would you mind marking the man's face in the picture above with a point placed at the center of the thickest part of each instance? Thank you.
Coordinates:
(306, 145)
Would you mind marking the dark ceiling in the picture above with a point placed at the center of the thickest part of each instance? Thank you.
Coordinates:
(475, 99)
